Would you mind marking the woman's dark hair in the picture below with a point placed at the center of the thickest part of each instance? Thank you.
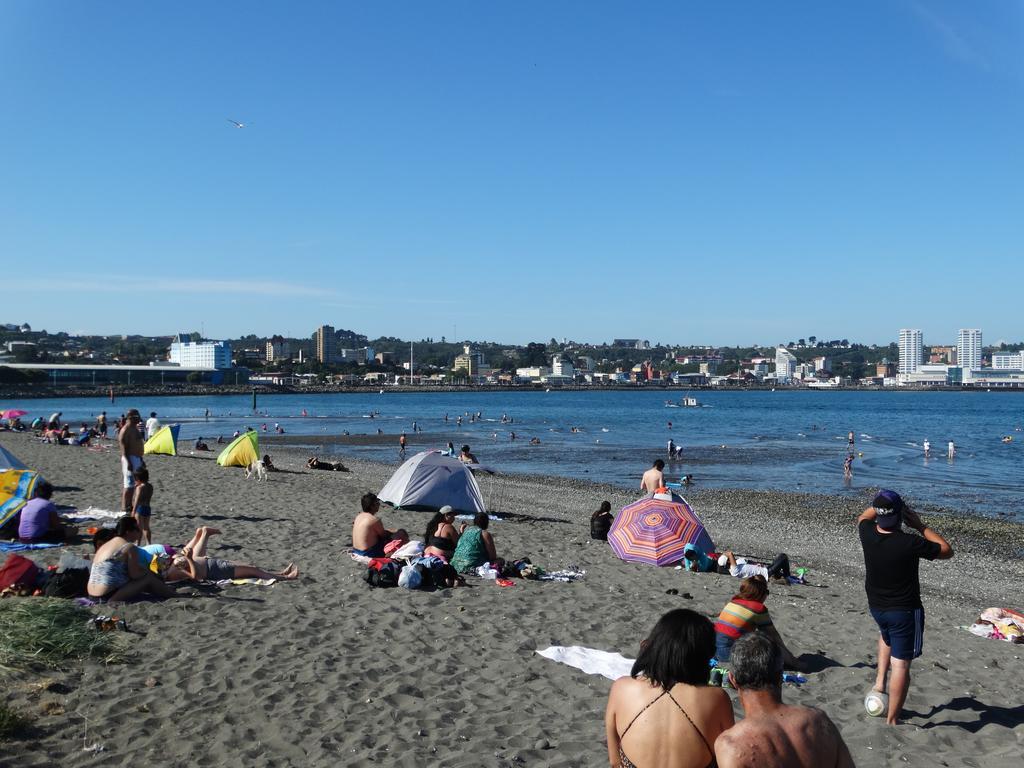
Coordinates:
(604, 509)
(44, 490)
(481, 520)
(101, 537)
(126, 524)
(678, 650)
(432, 526)
(754, 588)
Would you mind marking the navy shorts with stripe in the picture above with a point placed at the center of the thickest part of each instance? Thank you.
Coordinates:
(902, 631)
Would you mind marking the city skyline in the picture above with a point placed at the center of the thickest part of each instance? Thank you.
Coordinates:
(686, 173)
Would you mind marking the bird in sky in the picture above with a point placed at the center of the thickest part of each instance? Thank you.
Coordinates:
(236, 123)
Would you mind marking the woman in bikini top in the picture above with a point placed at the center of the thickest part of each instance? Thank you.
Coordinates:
(441, 537)
(673, 715)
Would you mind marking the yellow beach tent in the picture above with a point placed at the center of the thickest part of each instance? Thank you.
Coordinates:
(164, 441)
(16, 488)
(243, 451)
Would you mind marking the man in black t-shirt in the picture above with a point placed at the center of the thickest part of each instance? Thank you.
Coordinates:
(891, 559)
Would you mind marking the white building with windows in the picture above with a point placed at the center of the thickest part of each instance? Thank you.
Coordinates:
(1008, 361)
(562, 367)
(968, 351)
(200, 354)
(785, 365)
(911, 350)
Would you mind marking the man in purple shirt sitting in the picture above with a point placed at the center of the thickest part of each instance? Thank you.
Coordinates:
(39, 520)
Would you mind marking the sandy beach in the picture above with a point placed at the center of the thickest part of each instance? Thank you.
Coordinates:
(326, 671)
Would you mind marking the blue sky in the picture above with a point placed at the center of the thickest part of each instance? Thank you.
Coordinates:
(720, 173)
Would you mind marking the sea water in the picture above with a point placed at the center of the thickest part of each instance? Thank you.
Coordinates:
(783, 440)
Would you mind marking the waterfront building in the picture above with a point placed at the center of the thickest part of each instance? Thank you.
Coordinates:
(70, 375)
(785, 365)
(278, 349)
(1008, 361)
(562, 368)
(472, 361)
(199, 354)
(968, 350)
(928, 375)
(325, 344)
(911, 347)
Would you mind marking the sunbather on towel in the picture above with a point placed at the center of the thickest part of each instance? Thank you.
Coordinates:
(192, 562)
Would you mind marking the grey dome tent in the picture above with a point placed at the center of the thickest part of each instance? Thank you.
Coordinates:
(430, 480)
(9, 461)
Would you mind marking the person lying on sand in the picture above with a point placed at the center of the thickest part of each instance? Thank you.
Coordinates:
(742, 568)
(331, 466)
(192, 562)
(665, 713)
(773, 734)
(117, 572)
(368, 533)
(746, 613)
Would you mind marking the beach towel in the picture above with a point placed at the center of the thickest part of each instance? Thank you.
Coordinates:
(242, 582)
(91, 513)
(572, 573)
(999, 624)
(590, 660)
(20, 546)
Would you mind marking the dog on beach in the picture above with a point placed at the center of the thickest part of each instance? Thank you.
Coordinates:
(257, 469)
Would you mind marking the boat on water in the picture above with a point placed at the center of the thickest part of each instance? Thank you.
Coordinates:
(685, 402)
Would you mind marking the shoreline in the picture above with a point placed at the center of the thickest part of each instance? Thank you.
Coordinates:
(44, 393)
(326, 671)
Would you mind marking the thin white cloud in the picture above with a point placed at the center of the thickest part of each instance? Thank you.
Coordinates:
(955, 45)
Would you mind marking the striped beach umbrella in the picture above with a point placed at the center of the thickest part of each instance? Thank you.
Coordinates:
(654, 530)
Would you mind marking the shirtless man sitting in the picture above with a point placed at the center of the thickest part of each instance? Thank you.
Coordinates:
(773, 734)
(653, 478)
(368, 533)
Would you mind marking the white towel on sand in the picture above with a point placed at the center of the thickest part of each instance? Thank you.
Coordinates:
(590, 660)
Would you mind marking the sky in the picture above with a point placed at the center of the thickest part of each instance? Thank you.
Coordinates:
(683, 172)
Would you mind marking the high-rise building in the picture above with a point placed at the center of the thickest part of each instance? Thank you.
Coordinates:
(325, 344)
(785, 365)
(968, 350)
(278, 349)
(911, 348)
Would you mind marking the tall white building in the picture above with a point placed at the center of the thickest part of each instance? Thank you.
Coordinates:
(911, 349)
(785, 365)
(200, 354)
(968, 351)
(562, 367)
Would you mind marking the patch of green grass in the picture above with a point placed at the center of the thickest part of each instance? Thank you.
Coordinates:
(48, 632)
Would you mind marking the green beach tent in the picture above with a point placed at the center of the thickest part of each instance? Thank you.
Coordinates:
(164, 441)
(243, 451)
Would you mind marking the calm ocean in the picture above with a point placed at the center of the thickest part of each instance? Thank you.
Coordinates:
(790, 441)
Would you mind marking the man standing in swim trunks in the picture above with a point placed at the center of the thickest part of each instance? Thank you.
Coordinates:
(653, 478)
(129, 440)
(773, 734)
(891, 559)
